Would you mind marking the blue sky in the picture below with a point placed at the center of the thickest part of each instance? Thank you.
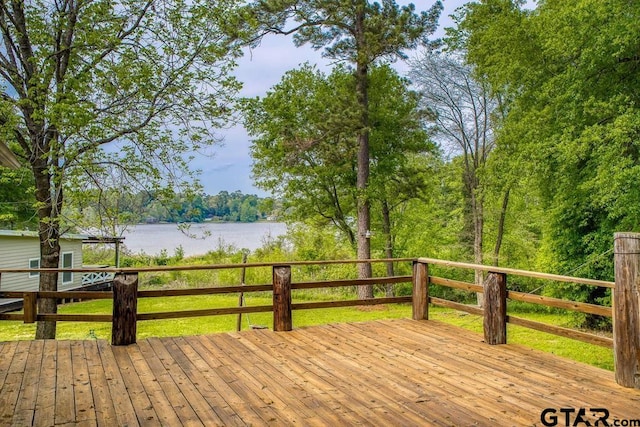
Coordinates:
(229, 168)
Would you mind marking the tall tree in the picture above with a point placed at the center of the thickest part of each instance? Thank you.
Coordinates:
(147, 77)
(461, 109)
(360, 33)
(304, 148)
(399, 144)
(572, 72)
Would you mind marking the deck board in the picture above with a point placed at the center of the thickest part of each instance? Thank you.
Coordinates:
(395, 372)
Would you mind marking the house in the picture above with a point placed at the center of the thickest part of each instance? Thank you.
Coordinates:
(21, 250)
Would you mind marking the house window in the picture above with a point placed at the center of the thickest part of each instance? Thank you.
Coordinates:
(34, 263)
(67, 262)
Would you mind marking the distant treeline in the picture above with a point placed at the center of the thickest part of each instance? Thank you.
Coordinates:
(147, 207)
(224, 206)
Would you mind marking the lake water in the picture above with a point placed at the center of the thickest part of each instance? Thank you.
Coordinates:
(200, 238)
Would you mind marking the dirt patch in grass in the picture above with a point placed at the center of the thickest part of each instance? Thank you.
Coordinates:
(368, 308)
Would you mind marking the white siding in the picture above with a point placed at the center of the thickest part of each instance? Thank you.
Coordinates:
(74, 246)
(16, 251)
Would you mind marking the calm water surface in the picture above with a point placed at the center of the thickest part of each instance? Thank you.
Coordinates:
(202, 238)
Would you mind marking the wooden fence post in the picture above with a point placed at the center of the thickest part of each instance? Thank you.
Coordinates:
(495, 308)
(282, 298)
(30, 306)
(626, 309)
(125, 309)
(420, 297)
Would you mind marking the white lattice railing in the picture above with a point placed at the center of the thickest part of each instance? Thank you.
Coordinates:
(96, 277)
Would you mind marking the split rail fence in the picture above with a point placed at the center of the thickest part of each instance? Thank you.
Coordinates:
(625, 313)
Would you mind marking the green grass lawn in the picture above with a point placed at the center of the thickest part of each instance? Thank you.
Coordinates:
(581, 352)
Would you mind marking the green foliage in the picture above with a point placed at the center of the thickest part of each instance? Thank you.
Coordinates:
(111, 213)
(16, 199)
(570, 69)
(305, 146)
(569, 73)
(360, 34)
(105, 95)
(355, 32)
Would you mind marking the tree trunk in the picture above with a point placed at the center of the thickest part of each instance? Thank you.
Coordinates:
(478, 228)
(388, 247)
(362, 180)
(49, 236)
(503, 214)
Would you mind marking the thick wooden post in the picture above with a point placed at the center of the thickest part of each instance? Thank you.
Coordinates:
(30, 306)
(495, 308)
(125, 309)
(420, 291)
(626, 310)
(282, 298)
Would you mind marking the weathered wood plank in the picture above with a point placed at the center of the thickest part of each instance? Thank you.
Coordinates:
(103, 404)
(279, 355)
(12, 384)
(495, 308)
(144, 410)
(182, 371)
(26, 407)
(65, 404)
(204, 312)
(282, 320)
(532, 370)
(125, 414)
(232, 373)
(157, 396)
(208, 384)
(347, 371)
(454, 385)
(420, 293)
(456, 306)
(330, 382)
(520, 364)
(179, 403)
(351, 282)
(7, 350)
(349, 303)
(125, 309)
(560, 303)
(626, 304)
(209, 363)
(456, 284)
(396, 372)
(83, 396)
(528, 384)
(562, 332)
(524, 273)
(292, 404)
(46, 399)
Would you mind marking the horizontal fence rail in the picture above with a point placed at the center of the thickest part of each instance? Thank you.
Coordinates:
(125, 295)
(528, 298)
(30, 298)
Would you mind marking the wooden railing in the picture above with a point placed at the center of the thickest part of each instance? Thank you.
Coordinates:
(626, 340)
(125, 295)
(495, 295)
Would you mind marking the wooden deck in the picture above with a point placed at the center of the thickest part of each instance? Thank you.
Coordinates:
(388, 373)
